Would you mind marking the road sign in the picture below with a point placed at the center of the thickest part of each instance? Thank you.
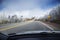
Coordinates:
(49, 17)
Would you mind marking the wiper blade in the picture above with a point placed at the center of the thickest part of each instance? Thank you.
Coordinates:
(33, 32)
(12, 34)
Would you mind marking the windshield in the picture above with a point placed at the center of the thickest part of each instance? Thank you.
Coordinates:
(18, 16)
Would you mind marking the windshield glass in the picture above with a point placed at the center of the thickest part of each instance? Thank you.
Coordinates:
(18, 16)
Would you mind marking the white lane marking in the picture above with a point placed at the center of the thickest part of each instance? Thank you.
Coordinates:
(47, 26)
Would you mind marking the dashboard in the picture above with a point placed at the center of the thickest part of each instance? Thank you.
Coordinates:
(31, 36)
(36, 36)
(30, 39)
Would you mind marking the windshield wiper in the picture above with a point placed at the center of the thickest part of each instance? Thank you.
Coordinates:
(34, 32)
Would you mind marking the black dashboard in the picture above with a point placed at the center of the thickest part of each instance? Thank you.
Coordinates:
(32, 36)
(36, 36)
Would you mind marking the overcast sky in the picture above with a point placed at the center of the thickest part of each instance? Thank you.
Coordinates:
(27, 8)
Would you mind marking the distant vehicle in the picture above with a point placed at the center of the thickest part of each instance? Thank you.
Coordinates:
(37, 19)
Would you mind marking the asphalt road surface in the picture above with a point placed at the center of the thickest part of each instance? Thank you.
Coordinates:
(26, 26)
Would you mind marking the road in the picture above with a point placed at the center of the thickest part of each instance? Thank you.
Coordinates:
(25, 26)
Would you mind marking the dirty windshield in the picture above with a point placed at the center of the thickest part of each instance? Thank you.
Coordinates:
(17, 16)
